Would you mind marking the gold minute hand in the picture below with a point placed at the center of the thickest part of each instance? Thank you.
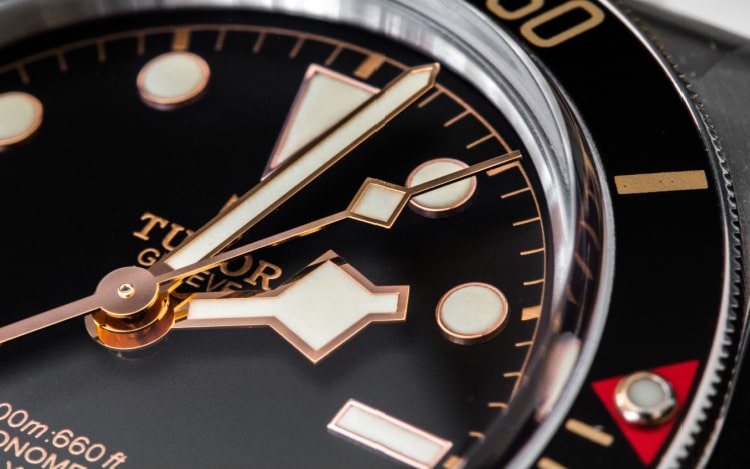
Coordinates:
(299, 170)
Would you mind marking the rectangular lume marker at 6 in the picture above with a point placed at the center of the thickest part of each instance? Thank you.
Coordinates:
(388, 435)
(661, 182)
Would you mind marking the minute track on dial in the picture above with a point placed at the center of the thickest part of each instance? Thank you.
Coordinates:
(505, 217)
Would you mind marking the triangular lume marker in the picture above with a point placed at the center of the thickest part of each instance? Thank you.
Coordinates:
(324, 98)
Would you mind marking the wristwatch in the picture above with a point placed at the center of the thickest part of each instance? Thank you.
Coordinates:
(371, 233)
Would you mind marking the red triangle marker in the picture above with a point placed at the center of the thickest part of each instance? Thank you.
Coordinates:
(648, 441)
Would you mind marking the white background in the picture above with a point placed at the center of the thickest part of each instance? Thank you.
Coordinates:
(732, 15)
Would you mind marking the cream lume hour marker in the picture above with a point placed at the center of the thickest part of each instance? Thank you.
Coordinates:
(447, 200)
(20, 117)
(172, 79)
(472, 313)
(314, 110)
(381, 432)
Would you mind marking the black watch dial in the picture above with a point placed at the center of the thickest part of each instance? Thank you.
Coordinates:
(356, 237)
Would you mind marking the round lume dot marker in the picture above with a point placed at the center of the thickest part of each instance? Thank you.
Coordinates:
(645, 398)
(20, 116)
(172, 79)
(445, 200)
(472, 313)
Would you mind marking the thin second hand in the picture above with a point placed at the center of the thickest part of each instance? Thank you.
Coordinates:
(51, 317)
(93, 302)
(321, 223)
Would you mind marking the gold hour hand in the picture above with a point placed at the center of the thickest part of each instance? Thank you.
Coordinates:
(317, 311)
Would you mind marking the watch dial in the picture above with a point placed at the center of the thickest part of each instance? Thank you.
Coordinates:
(463, 247)
(125, 165)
